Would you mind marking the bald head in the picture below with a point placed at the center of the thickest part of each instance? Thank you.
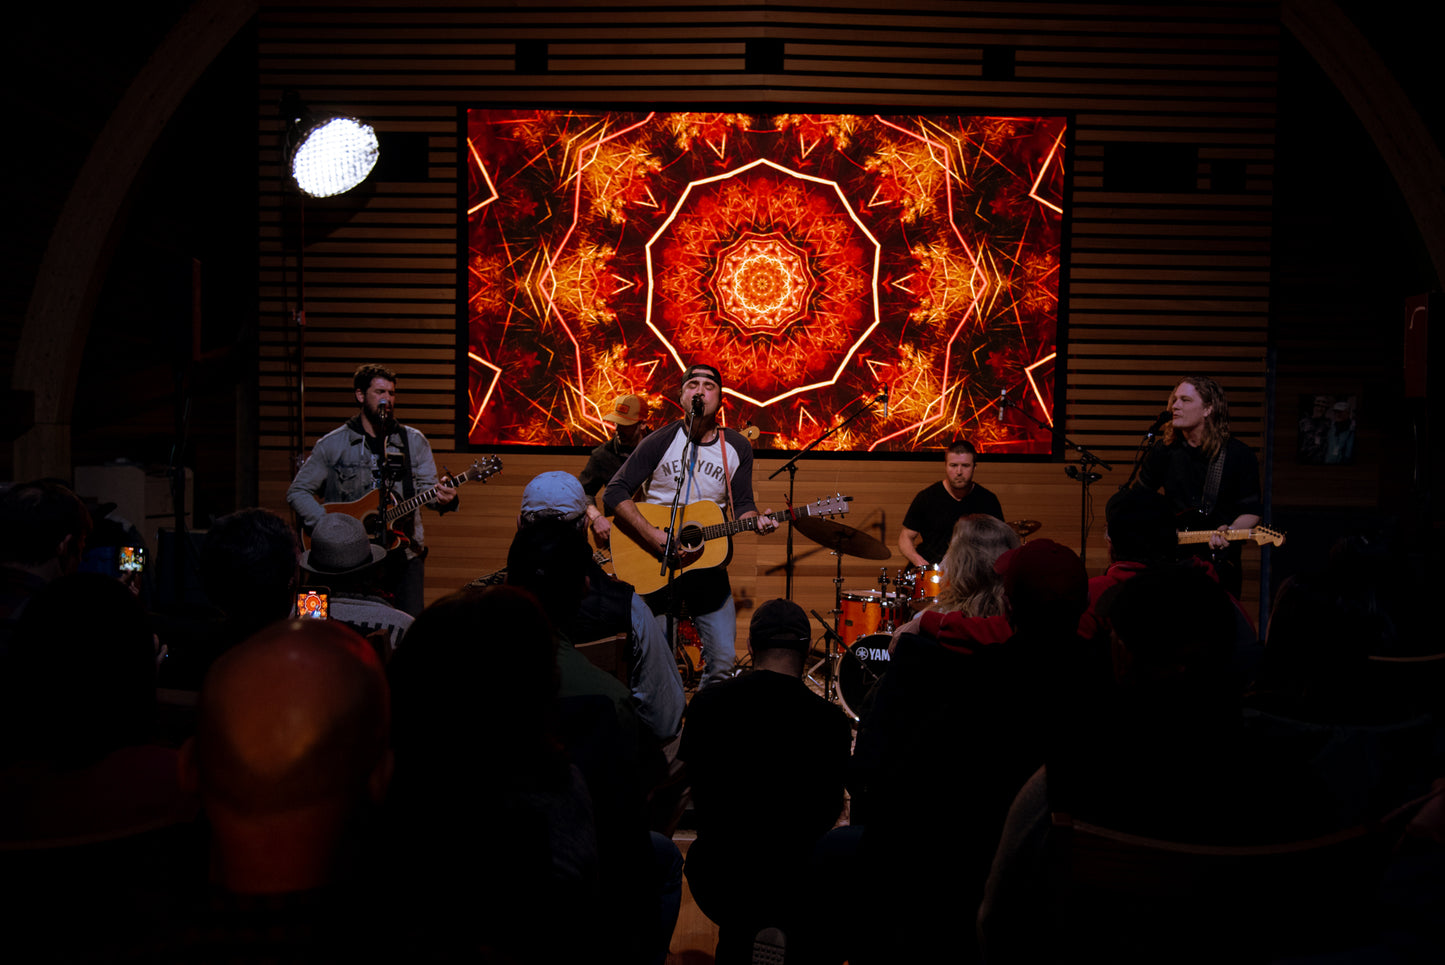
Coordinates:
(293, 718)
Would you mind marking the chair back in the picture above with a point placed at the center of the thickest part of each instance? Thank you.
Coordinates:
(1123, 897)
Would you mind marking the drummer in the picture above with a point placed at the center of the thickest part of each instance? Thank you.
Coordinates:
(928, 525)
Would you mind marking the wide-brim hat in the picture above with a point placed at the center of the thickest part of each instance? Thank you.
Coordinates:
(339, 546)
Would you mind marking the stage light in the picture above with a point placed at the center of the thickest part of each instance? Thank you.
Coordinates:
(333, 155)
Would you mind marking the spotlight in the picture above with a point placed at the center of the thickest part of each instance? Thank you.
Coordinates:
(334, 155)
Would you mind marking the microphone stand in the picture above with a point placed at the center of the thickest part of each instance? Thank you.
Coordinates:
(1145, 444)
(792, 469)
(1083, 472)
(669, 549)
(385, 478)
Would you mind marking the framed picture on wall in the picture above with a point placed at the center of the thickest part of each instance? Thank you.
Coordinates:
(1326, 429)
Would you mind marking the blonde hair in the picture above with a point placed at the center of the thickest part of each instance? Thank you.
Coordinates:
(1216, 424)
(970, 585)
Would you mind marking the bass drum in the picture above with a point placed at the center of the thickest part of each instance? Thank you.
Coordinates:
(859, 668)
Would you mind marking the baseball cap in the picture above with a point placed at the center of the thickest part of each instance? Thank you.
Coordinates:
(556, 494)
(780, 623)
(626, 411)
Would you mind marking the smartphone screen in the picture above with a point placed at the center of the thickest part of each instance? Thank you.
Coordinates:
(311, 604)
(131, 559)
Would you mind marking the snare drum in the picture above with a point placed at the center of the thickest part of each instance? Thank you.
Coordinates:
(859, 668)
(864, 612)
(927, 585)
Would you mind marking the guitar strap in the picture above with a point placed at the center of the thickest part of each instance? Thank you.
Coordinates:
(1211, 483)
(408, 485)
(722, 444)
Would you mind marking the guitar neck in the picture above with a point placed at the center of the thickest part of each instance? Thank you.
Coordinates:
(410, 505)
(1204, 535)
(478, 471)
(719, 530)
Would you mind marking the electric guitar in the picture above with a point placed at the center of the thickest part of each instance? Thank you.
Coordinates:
(378, 522)
(1260, 534)
(704, 539)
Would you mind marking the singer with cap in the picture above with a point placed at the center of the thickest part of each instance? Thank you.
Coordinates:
(346, 463)
(706, 462)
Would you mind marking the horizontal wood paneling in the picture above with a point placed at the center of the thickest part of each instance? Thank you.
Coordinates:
(1158, 283)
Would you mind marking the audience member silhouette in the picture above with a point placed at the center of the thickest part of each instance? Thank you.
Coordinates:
(46, 527)
(957, 726)
(609, 606)
(249, 573)
(1368, 727)
(488, 822)
(1165, 756)
(760, 804)
(291, 758)
(349, 566)
(94, 824)
(971, 585)
(641, 871)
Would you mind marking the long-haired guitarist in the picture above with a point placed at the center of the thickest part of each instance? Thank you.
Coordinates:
(719, 469)
(346, 463)
(1204, 470)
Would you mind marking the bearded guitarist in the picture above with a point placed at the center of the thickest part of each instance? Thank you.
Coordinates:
(1206, 472)
(347, 462)
(706, 462)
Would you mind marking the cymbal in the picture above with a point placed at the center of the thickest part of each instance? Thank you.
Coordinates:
(1026, 527)
(842, 539)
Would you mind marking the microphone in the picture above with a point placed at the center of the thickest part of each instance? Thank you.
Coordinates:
(1159, 421)
(697, 405)
(1003, 402)
(887, 390)
(383, 411)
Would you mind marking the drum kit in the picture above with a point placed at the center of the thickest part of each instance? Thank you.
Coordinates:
(864, 621)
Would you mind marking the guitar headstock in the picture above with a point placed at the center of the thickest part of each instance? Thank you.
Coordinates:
(1263, 535)
(829, 506)
(481, 470)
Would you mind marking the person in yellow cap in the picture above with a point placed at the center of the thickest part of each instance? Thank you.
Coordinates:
(628, 417)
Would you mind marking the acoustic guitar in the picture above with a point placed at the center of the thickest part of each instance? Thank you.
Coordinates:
(378, 522)
(704, 539)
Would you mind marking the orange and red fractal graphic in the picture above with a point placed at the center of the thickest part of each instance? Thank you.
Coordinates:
(815, 259)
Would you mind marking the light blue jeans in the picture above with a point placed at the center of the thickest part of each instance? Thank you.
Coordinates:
(718, 631)
(655, 681)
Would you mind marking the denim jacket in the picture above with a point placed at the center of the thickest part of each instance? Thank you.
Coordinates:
(342, 469)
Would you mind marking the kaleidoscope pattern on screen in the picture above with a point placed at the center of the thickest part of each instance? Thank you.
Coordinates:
(818, 260)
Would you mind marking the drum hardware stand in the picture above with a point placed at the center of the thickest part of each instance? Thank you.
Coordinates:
(833, 644)
(1083, 472)
(792, 468)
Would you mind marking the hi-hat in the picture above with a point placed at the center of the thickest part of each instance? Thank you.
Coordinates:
(1026, 527)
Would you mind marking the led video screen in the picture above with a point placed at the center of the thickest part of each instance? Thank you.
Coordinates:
(820, 261)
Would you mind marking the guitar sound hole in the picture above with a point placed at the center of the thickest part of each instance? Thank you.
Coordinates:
(690, 539)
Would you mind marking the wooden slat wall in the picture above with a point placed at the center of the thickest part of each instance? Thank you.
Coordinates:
(1164, 277)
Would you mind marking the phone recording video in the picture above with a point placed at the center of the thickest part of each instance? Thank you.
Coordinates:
(312, 604)
(131, 559)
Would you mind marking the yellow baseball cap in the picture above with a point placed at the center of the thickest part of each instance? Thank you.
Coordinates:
(626, 411)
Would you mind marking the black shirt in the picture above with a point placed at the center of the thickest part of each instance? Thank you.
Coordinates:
(933, 513)
(1181, 470)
